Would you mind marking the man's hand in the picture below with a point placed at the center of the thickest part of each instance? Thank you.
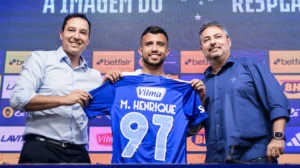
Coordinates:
(275, 148)
(77, 96)
(200, 88)
(113, 76)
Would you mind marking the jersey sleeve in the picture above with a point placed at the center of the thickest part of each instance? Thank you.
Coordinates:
(102, 101)
(193, 108)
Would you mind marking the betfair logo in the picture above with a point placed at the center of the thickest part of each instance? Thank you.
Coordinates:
(287, 62)
(113, 62)
(104, 61)
(196, 62)
(291, 87)
(193, 62)
(284, 61)
(16, 62)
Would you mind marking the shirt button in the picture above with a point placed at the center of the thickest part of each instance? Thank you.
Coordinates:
(218, 125)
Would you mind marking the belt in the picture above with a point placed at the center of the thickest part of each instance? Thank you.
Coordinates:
(52, 141)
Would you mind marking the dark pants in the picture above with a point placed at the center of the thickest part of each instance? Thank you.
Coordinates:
(35, 151)
(263, 160)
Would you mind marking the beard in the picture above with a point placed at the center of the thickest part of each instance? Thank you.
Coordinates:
(154, 64)
(213, 56)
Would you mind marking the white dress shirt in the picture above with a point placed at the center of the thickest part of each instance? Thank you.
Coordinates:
(50, 73)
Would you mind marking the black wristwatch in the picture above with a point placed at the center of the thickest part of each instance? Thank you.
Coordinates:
(279, 136)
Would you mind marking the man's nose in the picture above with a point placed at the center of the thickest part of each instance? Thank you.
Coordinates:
(212, 42)
(76, 35)
(154, 47)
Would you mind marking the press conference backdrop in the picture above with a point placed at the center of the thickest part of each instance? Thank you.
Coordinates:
(266, 30)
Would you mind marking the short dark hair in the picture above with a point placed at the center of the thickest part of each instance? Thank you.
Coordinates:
(76, 15)
(155, 30)
(215, 24)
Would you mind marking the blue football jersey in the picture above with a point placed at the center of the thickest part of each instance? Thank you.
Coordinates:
(150, 116)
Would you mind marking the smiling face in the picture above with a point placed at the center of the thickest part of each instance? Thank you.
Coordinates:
(154, 49)
(7, 112)
(215, 43)
(75, 36)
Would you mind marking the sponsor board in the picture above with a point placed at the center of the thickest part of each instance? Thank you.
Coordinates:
(290, 85)
(9, 82)
(100, 139)
(9, 116)
(193, 62)
(258, 55)
(197, 142)
(289, 159)
(292, 143)
(173, 76)
(9, 158)
(191, 77)
(105, 61)
(284, 61)
(100, 158)
(11, 138)
(100, 121)
(295, 113)
(196, 158)
(14, 61)
(7, 112)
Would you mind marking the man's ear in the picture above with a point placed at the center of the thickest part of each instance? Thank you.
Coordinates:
(229, 42)
(168, 51)
(140, 50)
(61, 35)
(88, 42)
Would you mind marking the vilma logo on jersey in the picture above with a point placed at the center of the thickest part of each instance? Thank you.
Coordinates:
(151, 93)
